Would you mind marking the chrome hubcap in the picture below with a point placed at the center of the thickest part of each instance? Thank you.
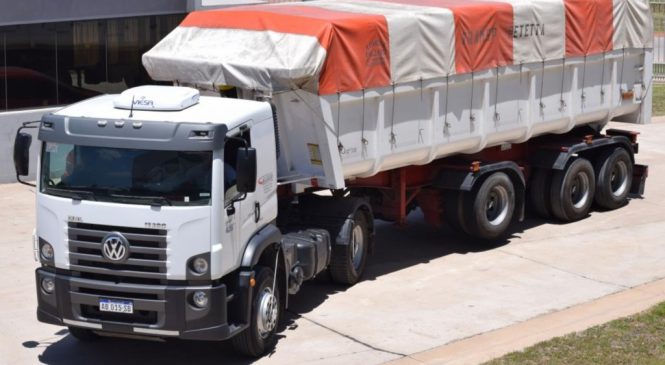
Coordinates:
(267, 312)
(579, 191)
(496, 206)
(357, 243)
(619, 178)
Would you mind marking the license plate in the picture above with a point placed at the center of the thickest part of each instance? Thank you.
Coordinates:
(116, 306)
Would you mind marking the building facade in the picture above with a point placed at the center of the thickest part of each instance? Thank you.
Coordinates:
(54, 53)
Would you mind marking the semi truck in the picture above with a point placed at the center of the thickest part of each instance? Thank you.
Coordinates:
(196, 210)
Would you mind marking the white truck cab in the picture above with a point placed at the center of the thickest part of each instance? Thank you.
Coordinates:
(154, 210)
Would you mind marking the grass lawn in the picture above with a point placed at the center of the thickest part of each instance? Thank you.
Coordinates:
(639, 339)
(658, 99)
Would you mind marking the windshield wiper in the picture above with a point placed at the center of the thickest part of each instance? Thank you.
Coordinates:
(70, 193)
(154, 200)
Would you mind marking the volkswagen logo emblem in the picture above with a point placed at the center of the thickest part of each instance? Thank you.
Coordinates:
(115, 247)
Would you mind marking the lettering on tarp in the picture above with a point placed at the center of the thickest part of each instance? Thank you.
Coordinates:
(375, 53)
(478, 36)
(528, 30)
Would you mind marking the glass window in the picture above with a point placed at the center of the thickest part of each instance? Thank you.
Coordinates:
(30, 69)
(129, 176)
(81, 60)
(61, 63)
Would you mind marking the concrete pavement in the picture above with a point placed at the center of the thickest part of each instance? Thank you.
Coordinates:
(424, 288)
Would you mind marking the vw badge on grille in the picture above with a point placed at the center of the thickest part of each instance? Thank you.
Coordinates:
(115, 247)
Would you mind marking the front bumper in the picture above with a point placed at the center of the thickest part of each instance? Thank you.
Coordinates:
(159, 310)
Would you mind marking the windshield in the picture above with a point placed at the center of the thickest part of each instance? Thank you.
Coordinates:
(126, 175)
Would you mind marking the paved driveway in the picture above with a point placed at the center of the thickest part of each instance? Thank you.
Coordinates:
(424, 287)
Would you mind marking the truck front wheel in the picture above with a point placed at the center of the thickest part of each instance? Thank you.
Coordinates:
(347, 262)
(259, 337)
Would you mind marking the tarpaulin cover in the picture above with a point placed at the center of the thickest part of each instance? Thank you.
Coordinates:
(331, 46)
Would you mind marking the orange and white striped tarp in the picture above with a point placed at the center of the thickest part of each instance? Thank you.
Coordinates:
(331, 46)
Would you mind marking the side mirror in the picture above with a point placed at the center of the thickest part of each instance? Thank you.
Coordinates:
(22, 153)
(246, 170)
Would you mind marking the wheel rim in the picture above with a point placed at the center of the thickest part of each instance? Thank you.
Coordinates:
(619, 178)
(267, 312)
(496, 205)
(579, 190)
(357, 246)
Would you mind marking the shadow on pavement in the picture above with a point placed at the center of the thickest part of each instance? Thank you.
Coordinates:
(396, 249)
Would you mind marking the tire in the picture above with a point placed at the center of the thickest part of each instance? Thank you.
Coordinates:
(572, 190)
(259, 337)
(83, 334)
(347, 262)
(539, 192)
(452, 207)
(614, 177)
(488, 211)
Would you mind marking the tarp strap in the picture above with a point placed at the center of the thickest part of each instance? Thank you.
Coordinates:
(362, 132)
(562, 101)
(393, 139)
(446, 125)
(517, 100)
(472, 117)
(497, 117)
(623, 59)
(602, 81)
(542, 86)
(583, 94)
(340, 147)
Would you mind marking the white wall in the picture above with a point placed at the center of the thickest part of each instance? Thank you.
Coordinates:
(9, 124)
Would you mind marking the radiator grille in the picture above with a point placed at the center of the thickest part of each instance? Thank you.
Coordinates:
(147, 253)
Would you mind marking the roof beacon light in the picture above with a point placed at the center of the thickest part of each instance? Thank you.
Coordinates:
(157, 98)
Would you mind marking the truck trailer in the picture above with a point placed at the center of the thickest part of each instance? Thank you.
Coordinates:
(196, 210)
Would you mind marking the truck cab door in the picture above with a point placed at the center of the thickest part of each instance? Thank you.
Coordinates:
(242, 208)
(259, 207)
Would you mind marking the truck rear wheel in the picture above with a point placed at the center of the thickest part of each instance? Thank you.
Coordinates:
(259, 337)
(614, 173)
(539, 192)
(347, 262)
(489, 211)
(573, 190)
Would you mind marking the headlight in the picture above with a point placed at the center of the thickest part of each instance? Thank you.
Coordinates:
(47, 251)
(48, 285)
(200, 299)
(200, 265)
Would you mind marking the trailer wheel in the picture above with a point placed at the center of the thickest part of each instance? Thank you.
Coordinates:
(83, 334)
(539, 192)
(453, 201)
(347, 262)
(259, 337)
(573, 190)
(489, 212)
(614, 172)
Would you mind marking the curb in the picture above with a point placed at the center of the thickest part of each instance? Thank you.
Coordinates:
(496, 343)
